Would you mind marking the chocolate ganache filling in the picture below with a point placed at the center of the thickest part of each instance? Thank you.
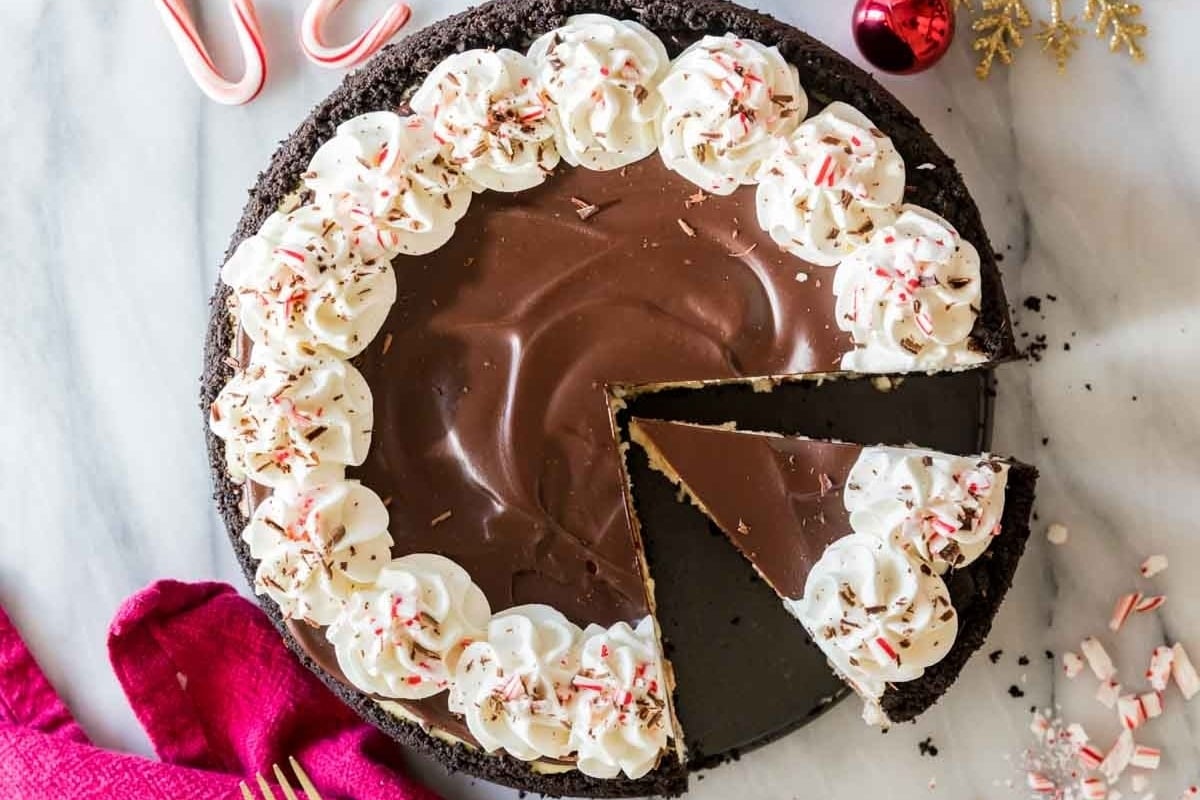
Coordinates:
(493, 441)
(492, 431)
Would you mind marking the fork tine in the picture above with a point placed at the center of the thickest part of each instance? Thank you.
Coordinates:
(265, 788)
(284, 783)
(246, 793)
(305, 783)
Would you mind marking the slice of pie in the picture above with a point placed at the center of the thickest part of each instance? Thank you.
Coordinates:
(895, 559)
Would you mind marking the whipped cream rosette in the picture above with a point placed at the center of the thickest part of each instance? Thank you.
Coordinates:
(725, 101)
(486, 105)
(910, 296)
(876, 614)
(601, 77)
(943, 509)
(825, 188)
(297, 423)
(315, 545)
(401, 637)
(619, 713)
(393, 178)
(305, 286)
(514, 685)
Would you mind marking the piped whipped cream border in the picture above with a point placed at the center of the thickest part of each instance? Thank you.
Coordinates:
(312, 289)
(876, 602)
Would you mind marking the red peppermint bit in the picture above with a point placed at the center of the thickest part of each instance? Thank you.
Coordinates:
(1151, 603)
(889, 239)
(887, 648)
(1130, 712)
(1151, 704)
(1093, 789)
(580, 682)
(604, 71)
(1108, 692)
(1159, 671)
(1145, 757)
(1040, 784)
(414, 680)
(1183, 672)
(381, 156)
(604, 651)
(1153, 565)
(1090, 757)
(824, 170)
(1125, 605)
(535, 114)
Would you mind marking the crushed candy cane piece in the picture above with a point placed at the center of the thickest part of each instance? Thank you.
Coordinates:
(1097, 658)
(1130, 712)
(1153, 565)
(1108, 692)
(1040, 784)
(1145, 757)
(1151, 603)
(1072, 664)
(1075, 734)
(1125, 605)
(1039, 725)
(1093, 789)
(1152, 704)
(1090, 757)
(1159, 671)
(1117, 759)
(1057, 533)
(1183, 672)
(1191, 791)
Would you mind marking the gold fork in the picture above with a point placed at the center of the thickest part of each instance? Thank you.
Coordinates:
(281, 780)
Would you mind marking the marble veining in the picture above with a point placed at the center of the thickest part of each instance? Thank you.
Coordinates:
(122, 183)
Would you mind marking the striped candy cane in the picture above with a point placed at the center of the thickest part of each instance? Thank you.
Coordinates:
(199, 63)
(357, 51)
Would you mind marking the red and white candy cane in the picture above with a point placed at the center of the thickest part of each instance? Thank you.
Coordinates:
(358, 50)
(199, 63)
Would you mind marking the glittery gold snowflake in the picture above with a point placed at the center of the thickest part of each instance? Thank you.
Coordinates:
(1118, 20)
(1059, 36)
(999, 26)
(999, 32)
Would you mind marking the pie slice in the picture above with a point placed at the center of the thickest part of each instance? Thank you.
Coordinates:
(895, 559)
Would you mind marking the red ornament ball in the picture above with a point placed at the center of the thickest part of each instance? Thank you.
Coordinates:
(903, 36)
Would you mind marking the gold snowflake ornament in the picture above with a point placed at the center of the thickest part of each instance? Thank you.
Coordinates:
(999, 32)
(1118, 21)
(1059, 36)
(999, 26)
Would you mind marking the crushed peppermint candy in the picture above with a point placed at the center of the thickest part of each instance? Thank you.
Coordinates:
(1125, 605)
(1129, 709)
(1145, 757)
(1108, 692)
(1072, 664)
(1093, 788)
(1151, 603)
(1057, 533)
(1183, 672)
(1118, 758)
(1152, 704)
(1153, 565)
(1098, 658)
(1159, 671)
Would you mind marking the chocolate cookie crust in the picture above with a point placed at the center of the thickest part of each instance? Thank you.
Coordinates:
(386, 82)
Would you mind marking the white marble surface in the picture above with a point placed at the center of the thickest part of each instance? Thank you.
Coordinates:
(121, 184)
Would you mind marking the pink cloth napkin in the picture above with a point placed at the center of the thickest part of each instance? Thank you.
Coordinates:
(220, 697)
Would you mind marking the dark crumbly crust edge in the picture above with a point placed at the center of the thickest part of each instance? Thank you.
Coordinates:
(385, 83)
(985, 581)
